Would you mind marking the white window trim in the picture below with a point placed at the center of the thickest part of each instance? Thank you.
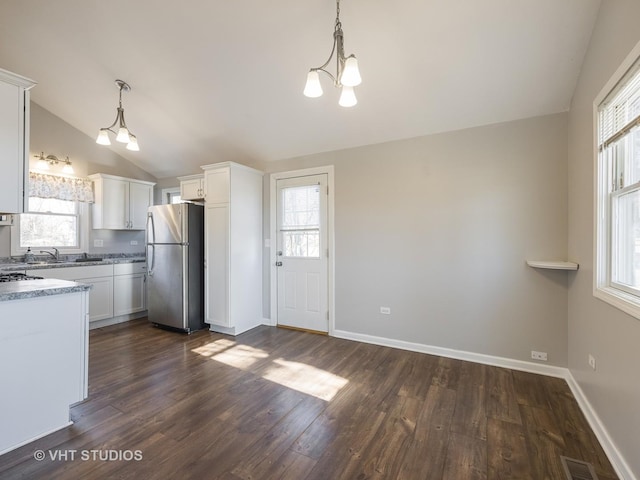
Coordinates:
(602, 289)
(83, 226)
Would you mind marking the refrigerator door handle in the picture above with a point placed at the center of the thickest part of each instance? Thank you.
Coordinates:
(151, 223)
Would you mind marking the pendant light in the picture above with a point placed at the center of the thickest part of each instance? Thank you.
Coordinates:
(123, 134)
(347, 74)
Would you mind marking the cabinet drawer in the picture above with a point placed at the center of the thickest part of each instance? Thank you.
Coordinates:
(129, 268)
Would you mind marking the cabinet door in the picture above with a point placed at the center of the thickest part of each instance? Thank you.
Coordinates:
(140, 198)
(129, 294)
(114, 204)
(11, 126)
(216, 301)
(192, 189)
(217, 185)
(100, 297)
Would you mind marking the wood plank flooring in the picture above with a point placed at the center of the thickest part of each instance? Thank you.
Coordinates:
(280, 404)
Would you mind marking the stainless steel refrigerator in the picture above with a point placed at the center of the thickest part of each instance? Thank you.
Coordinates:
(175, 259)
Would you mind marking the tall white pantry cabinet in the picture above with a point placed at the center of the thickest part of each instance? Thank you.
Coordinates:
(233, 247)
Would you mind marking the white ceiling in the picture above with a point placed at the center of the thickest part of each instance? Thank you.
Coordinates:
(222, 80)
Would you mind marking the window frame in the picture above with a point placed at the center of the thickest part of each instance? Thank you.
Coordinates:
(604, 288)
(83, 234)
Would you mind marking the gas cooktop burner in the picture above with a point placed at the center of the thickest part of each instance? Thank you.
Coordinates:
(15, 277)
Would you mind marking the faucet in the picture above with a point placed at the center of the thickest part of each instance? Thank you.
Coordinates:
(56, 255)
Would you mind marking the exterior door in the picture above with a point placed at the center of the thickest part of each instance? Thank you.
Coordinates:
(301, 252)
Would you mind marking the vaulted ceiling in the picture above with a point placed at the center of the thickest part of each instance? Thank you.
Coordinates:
(216, 81)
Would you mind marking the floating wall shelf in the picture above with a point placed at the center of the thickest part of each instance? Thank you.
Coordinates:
(553, 265)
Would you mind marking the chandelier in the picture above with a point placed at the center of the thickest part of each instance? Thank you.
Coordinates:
(123, 134)
(347, 74)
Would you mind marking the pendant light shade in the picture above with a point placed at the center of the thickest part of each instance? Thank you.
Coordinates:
(347, 75)
(123, 134)
(103, 137)
(347, 97)
(313, 89)
(351, 75)
(133, 144)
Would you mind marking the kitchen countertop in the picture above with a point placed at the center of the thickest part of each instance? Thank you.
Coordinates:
(8, 267)
(38, 288)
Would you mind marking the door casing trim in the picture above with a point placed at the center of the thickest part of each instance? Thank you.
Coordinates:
(273, 178)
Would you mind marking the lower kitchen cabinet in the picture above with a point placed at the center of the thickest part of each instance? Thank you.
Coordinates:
(129, 288)
(117, 291)
(100, 297)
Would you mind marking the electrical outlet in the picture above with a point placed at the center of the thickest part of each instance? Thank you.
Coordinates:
(592, 361)
(539, 355)
(98, 243)
(385, 310)
(133, 242)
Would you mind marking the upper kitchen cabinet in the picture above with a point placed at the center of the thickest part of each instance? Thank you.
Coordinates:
(14, 140)
(192, 187)
(121, 203)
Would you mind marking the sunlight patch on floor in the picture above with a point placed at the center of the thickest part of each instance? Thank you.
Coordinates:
(305, 378)
(241, 356)
(295, 375)
(213, 348)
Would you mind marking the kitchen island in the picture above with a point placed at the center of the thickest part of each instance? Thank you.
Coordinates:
(43, 357)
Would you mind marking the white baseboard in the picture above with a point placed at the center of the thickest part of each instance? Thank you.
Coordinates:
(617, 460)
(531, 367)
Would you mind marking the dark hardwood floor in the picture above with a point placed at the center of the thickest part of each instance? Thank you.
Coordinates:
(281, 404)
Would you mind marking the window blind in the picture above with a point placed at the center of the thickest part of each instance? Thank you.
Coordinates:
(620, 111)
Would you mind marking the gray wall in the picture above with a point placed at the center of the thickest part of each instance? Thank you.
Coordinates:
(439, 227)
(52, 135)
(595, 327)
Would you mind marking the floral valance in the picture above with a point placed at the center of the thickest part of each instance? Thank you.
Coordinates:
(63, 188)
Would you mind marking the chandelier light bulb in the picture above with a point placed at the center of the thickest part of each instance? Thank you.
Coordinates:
(313, 89)
(347, 97)
(351, 75)
(103, 137)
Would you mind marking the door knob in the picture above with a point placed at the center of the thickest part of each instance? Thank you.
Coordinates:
(278, 264)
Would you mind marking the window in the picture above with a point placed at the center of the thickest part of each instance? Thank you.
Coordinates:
(50, 223)
(618, 194)
(171, 195)
(56, 215)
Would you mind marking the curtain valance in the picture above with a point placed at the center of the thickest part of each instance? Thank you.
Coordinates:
(62, 188)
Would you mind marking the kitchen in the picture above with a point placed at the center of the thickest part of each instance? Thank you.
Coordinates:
(402, 252)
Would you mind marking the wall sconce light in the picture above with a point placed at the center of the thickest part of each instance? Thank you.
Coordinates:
(123, 134)
(45, 163)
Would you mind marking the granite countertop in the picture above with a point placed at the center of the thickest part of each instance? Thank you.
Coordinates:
(38, 288)
(8, 267)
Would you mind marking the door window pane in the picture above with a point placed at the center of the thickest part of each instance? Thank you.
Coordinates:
(300, 226)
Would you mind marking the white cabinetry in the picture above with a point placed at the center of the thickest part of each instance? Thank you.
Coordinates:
(121, 203)
(117, 291)
(14, 140)
(43, 365)
(100, 277)
(192, 187)
(233, 247)
(129, 288)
